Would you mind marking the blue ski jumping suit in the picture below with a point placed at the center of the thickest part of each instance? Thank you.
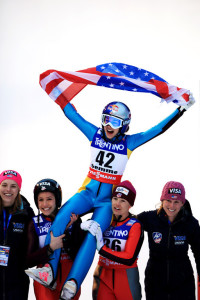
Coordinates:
(108, 161)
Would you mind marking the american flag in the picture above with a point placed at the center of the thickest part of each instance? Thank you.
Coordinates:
(63, 86)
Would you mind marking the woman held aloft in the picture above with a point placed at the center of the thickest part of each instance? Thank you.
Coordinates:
(116, 275)
(48, 198)
(171, 229)
(15, 214)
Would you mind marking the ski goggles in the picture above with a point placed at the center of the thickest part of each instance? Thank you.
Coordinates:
(114, 122)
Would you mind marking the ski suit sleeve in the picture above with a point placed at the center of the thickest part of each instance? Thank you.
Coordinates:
(141, 138)
(194, 241)
(132, 247)
(35, 255)
(86, 127)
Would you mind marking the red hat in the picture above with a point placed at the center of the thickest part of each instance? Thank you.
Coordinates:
(173, 191)
(125, 190)
(13, 175)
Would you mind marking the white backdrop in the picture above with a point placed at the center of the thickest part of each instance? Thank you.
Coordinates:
(36, 138)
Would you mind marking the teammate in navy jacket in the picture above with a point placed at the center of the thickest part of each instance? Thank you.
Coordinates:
(171, 230)
(15, 214)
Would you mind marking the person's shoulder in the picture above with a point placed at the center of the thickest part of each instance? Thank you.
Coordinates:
(133, 219)
(26, 208)
(193, 221)
(147, 214)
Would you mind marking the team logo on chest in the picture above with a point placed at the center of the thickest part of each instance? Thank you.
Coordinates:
(18, 227)
(157, 237)
(179, 240)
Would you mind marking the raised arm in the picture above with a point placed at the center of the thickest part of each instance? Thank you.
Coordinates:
(141, 138)
(86, 127)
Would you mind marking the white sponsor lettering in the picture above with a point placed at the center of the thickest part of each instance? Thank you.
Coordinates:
(122, 190)
(10, 172)
(116, 233)
(103, 144)
(175, 191)
(99, 175)
(45, 183)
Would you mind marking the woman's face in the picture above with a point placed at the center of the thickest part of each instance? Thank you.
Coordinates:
(172, 208)
(110, 132)
(120, 207)
(46, 203)
(9, 190)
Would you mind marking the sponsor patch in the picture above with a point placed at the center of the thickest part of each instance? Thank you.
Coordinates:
(179, 240)
(45, 183)
(10, 173)
(174, 191)
(123, 190)
(113, 108)
(157, 237)
(131, 222)
(18, 227)
(43, 188)
(119, 195)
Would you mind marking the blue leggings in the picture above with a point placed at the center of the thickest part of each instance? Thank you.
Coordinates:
(94, 195)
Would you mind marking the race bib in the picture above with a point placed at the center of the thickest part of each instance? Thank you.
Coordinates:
(4, 255)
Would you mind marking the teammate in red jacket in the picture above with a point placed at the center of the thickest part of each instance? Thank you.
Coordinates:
(116, 275)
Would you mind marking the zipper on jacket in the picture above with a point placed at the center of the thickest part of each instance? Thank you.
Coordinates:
(168, 247)
(113, 278)
(4, 271)
(4, 285)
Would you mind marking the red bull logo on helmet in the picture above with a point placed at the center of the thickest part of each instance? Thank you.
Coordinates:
(112, 108)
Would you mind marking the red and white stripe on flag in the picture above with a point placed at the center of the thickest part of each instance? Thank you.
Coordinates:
(63, 86)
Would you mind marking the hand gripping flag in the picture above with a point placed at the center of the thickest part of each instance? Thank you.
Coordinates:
(63, 86)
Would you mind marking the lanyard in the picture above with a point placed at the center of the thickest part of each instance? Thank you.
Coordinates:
(5, 226)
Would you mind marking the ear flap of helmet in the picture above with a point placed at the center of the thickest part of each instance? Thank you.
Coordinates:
(127, 129)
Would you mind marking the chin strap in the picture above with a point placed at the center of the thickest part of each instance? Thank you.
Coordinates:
(117, 219)
(116, 138)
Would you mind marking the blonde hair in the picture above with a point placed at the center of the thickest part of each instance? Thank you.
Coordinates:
(159, 207)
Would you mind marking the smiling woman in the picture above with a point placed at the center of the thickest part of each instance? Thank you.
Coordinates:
(46, 203)
(116, 275)
(171, 230)
(172, 205)
(48, 199)
(8, 192)
(15, 214)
